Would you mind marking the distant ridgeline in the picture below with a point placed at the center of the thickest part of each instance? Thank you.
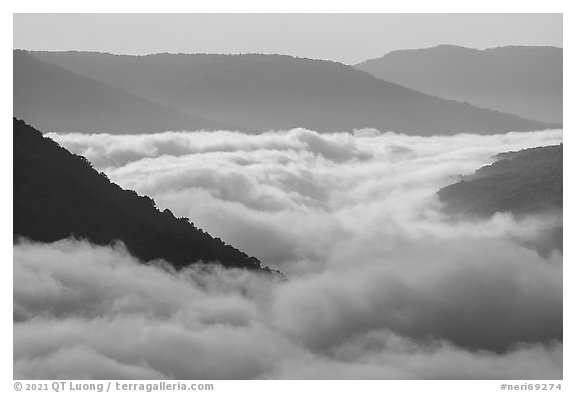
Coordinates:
(97, 92)
(524, 80)
(526, 182)
(58, 195)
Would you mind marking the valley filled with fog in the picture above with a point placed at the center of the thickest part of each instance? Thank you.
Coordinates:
(380, 282)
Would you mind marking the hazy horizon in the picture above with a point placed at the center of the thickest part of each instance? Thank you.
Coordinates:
(316, 36)
(258, 53)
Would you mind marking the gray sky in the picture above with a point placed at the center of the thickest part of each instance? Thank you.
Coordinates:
(348, 38)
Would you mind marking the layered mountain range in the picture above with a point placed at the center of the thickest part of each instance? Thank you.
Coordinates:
(54, 99)
(58, 194)
(524, 80)
(97, 92)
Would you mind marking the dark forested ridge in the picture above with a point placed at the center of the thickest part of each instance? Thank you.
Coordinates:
(526, 182)
(524, 80)
(263, 92)
(58, 194)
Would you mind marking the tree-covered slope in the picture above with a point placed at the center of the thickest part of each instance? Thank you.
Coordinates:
(524, 182)
(58, 194)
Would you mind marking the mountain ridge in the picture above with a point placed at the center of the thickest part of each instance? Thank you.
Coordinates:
(524, 183)
(524, 80)
(59, 100)
(58, 195)
(264, 92)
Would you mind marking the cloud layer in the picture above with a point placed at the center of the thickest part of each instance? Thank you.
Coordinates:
(381, 284)
(291, 198)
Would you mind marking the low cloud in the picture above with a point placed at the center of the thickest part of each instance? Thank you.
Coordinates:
(290, 197)
(83, 311)
(381, 284)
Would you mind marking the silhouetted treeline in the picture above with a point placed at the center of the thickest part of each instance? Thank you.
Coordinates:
(58, 195)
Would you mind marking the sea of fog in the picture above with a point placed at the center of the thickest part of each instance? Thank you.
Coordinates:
(381, 284)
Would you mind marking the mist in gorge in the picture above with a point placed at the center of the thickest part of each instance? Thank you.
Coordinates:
(227, 200)
(381, 282)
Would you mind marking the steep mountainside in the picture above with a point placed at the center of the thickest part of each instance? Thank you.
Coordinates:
(262, 92)
(58, 194)
(54, 99)
(526, 81)
(527, 182)
(524, 182)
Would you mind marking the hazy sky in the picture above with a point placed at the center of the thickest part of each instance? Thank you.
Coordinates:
(348, 38)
